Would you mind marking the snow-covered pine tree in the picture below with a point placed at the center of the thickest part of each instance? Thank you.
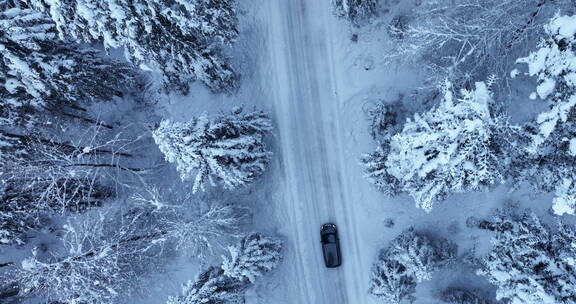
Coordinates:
(386, 119)
(356, 11)
(410, 258)
(38, 73)
(449, 149)
(549, 161)
(419, 253)
(554, 66)
(385, 123)
(17, 216)
(530, 263)
(228, 149)
(392, 282)
(549, 169)
(375, 170)
(462, 296)
(212, 286)
(254, 256)
(181, 39)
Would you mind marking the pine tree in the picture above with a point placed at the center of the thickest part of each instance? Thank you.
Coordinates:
(548, 163)
(553, 65)
(181, 39)
(462, 296)
(376, 172)
(410, 258)
(385, 118)
(392, 282)
(449, 149)
(356, 11)
(17, 216)
(212, 287)
(228, 149)
(530, 263)
(39, 73)
(254, 256)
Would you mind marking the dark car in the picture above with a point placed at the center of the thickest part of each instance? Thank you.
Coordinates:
(330, 245)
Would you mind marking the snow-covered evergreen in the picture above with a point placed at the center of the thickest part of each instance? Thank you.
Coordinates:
(212, 286)
(392, 282)
(410, 258)
(254, 256)
(228, 149)
(554, 65)
(176, 37)
(385, 122)
(17, 216)
(530, 263)
(376, 171)
(449, 149)
(39, 73)
(462, 296)
(356, 11)
(548, 163)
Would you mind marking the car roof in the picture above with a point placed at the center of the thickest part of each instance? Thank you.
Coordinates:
(331, 255)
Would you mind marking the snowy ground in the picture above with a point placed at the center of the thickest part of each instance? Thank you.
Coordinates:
(317, 83)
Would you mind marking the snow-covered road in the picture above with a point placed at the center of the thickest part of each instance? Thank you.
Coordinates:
(314, 187)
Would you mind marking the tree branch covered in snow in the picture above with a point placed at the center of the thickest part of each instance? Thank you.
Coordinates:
(529, 262)
(468, 38)
(180, 38)
(211, 286)
(410, 258)
(254, 256)
(228, 149)
(462, 296)
(106, 256)
(40, 177)
(101, 259)
(548, 162)
(356, 11)
(385, 122)
(452, 148)
(40, 74)
(554, 65)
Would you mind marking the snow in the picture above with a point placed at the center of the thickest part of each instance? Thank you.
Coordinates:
(311, 77)
(572, 147)
(514, 73)
(562, 206)
(303, 68)
(565, 201)
(564, 26)
(28, 264)
(546, 88)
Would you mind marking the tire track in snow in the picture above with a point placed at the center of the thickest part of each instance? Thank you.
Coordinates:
(313, 190)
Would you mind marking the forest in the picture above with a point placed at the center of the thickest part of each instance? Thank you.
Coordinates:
(187, 151)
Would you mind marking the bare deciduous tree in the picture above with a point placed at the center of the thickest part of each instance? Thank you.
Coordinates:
(469, 38)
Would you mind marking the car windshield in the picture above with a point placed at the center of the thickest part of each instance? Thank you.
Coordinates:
(329, 238)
